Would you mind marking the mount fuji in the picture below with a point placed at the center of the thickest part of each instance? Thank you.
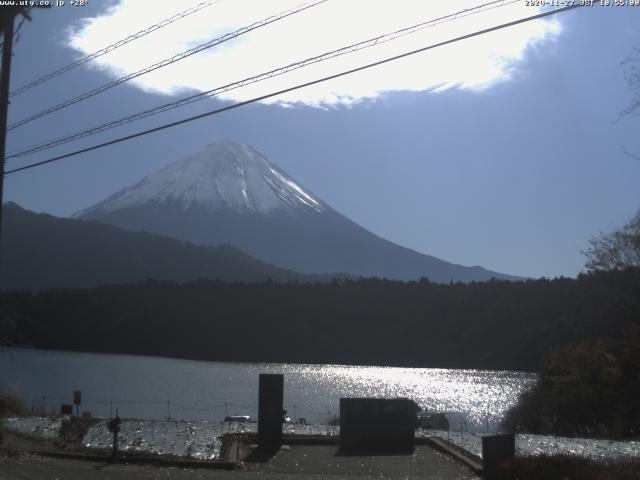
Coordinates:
(231, 194)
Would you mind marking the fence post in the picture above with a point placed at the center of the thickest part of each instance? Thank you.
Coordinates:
(114, 427)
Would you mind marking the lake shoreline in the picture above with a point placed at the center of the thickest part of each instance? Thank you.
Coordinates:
(252, 362)
(159, 388)
(204, 440)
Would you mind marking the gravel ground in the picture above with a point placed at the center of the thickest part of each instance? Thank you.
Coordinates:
(294, 463)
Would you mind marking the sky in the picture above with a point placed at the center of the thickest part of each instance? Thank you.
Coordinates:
(505, 150)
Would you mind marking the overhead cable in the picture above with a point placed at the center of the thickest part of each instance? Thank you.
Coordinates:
(113, 46)
(296, 87)
(377, 40)
(165, 62)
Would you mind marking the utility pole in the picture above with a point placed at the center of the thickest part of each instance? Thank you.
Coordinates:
(7, 17)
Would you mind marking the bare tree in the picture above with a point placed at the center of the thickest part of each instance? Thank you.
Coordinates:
(615, 250)
(631, 66)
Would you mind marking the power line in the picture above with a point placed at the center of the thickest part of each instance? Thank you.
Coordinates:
(257, 78)
(197, 409)
(296, 87)
(167, 61)
(378, 40)
(113, 46)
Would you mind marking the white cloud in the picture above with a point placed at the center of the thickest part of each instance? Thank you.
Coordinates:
(474, 64)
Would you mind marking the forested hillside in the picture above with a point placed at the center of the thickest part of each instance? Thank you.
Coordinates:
(497, 325)
(41, 251)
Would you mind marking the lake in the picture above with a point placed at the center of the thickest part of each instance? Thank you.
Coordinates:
(157, 388)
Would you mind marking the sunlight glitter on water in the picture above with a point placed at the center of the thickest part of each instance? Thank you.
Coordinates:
(474, 397)
(155, 388)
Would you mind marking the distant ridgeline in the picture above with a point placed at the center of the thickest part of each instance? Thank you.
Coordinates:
(40, 251)
(495, 325)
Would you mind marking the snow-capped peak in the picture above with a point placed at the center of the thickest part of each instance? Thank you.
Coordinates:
(224, 175)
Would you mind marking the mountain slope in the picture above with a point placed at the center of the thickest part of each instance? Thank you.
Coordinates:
(41, 251)
(230, 193)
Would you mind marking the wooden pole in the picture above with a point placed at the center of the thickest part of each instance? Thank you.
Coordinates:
(7, 16)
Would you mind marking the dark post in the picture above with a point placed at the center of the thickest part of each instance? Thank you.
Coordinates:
(7, 16)
(77, 397)
(270, 411)
(495, 450)
(114, 427)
